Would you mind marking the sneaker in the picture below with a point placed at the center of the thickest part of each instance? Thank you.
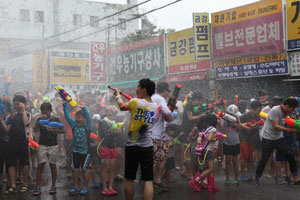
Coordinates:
(256, 182)
(276, 178)
(161, 186)
(244, 178)
(227, 183)
(250, 178)
(106, 192)
(84, 192)
(74, 191)
(236, 183)
(95, 186)
(288, 180)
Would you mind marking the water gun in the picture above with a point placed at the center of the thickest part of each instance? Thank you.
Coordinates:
(227, 117)
(236, 99)
(47, 123)
(186, 98)
(297, 98)
(116, 126)
(2, 109)
(293, 123)
(203, 108)
(127, 96)
(263, 115)
(253, 123)
(172, 101)
(220, 103)
(32, 144)
(200, 147)
(93, 136)
(65, 96)
(220, 136)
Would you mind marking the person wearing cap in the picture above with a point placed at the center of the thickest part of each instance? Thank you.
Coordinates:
(247, 139)
(231, 145)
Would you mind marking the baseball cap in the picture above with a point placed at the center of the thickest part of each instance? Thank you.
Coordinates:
(96, 117)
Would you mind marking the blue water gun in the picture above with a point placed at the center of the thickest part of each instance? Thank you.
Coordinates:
(47, 123)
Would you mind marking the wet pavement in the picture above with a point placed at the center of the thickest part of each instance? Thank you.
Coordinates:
(179, 190)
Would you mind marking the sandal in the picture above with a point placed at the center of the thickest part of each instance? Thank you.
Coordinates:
(227, 183)
(235, 183)
(11, 190)
(24, 189)
(52, 190)
(37, 192)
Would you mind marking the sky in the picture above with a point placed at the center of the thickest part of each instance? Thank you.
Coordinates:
(179, 16)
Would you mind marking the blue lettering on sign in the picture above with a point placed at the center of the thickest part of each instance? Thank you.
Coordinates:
(251, 70)
(145, 115)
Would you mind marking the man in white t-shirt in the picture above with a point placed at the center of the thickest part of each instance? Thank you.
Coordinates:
(160, 149)
(272, 138)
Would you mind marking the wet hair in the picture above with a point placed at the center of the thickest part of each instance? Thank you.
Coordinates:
(255, 104)
(46, 106)
(147, 84)
(262, 93)
(80, 113)
(19, 98)
(162, 86)
(174, 127)
(197, 95)
(206, 121)
(291, 102)
(7, 104)
(242, 105)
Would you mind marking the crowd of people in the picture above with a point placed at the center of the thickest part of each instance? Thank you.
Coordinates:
(103, 134)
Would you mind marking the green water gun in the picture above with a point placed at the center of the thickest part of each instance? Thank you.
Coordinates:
(116, 126)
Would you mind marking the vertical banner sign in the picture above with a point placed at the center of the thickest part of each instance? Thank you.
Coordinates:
(137, 60)
(252, 29)
(295, 63)
(201, 36)
(98, 62)
(293, 24)
(69, 67)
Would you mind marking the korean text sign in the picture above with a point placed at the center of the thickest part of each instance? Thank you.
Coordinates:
(293, 24)
(252, 66)
(201, 36)
(248, 30)
(69, 67)
(181, 53)
(98, 62)
(137, 60)
(295, 63)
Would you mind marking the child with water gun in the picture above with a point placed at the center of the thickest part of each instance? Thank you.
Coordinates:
(18, 143)
(48, 146)
(107, 151)
(207, 125)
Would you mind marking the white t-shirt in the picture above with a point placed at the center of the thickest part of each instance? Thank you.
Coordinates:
(165, 114)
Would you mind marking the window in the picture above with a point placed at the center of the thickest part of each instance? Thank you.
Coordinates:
(39, 17)
(24, 15)
(76, 20)
(122, 24)
(94, 21)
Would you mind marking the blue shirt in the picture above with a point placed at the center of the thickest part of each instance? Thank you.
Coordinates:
(80, 143)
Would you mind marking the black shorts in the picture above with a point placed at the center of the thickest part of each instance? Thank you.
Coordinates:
(233, 150)
(135, 156)
(79, 160)
(4, 155)
(18, 151)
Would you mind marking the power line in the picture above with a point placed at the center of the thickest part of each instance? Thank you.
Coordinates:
(74, 29)
(114, 25)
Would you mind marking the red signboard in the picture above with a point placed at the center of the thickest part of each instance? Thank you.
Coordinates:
(249, 37)
(98, 62)
(196, 66)
(185, 77)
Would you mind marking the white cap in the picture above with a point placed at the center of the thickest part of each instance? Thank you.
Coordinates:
(97, 117)
(233, 109)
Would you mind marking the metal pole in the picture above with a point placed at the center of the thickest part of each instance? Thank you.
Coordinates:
(42, 60)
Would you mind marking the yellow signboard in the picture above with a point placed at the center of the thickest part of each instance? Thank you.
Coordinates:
(69, 67)
(251, 60)
(250, 11)
(181, 47)
(293, 24)
(201, 36)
